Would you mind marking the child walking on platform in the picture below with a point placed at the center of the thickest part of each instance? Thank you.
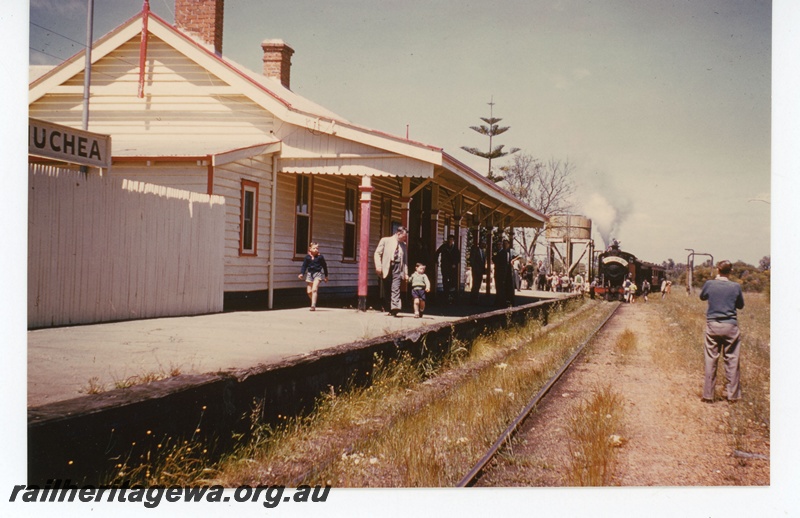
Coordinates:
(420, 285)
(314, 270)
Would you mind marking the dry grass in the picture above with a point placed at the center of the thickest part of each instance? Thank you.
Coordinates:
(423, 424)
(594, 435)
(148, 377)
(435, 445)
(95, 386)
(417, 424)
(167, 462)
(625, 345)
(681, 348)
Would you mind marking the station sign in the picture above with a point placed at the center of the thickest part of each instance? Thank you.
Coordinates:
(49, 140)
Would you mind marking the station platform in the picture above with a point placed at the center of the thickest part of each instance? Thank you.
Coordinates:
(65, 363)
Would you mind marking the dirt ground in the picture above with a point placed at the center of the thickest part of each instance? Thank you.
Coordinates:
(669, 437)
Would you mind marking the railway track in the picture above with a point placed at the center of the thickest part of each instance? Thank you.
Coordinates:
(478, 469)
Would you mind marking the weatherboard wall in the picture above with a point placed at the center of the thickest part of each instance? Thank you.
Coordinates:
(102, 248)
(181, 99)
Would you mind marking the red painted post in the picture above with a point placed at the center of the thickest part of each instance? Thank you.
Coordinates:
(143, 47)
(363, 244)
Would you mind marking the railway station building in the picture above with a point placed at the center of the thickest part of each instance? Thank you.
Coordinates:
(270, 170)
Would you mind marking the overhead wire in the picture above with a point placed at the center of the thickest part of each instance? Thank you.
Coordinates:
(58, 34)
(82, 45)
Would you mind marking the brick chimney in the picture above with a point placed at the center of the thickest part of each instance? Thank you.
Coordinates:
(277, 60)
(202, 19)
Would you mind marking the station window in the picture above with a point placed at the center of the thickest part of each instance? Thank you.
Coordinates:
(386, 215)
(350, 207)
(248, 228)
(302, 216)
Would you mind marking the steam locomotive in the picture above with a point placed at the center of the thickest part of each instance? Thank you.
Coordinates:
(615, 265)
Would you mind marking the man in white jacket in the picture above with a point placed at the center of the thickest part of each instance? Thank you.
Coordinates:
(391, 265)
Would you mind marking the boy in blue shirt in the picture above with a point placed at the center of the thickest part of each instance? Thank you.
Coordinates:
(314, 270)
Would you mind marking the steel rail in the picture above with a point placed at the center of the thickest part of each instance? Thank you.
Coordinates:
(473, 475)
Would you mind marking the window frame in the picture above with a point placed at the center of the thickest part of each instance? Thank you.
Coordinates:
(386, 215)
(308, 190)
(350, 195)
(248, 186)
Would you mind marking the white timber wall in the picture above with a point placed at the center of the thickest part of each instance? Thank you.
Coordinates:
(107, 248)
(246, 273)
(327, 227)
(242, 273)
(184, 105)
(186, 176)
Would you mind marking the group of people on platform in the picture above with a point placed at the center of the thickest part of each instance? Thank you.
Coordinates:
(507, 273)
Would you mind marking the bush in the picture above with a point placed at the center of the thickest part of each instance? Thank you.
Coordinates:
(752, 278)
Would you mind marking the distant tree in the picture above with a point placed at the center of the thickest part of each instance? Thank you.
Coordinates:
(764, 263)
(702, 273)
(751, 278)
(491, 129)
(547, 187)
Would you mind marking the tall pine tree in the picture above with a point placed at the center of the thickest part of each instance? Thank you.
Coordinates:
(491, 129)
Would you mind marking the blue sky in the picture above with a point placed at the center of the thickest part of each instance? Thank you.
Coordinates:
(663, 107)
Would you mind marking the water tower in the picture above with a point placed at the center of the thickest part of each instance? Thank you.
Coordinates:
(569, 239)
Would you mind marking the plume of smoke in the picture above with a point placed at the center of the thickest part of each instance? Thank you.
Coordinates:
(606, 208)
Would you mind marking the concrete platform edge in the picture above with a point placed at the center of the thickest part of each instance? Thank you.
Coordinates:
(85, 439)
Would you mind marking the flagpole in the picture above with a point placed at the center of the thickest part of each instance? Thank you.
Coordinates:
(87, 72)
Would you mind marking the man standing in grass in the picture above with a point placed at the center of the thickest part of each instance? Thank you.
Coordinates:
(724, 297)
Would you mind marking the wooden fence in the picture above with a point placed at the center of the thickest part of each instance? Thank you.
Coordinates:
(102, 248)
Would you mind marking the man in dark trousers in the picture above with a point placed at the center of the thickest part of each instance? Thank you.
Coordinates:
(450, 261)
(503, 275)
(391, 265)
(477, 265)
(541, 277)
(724, 297)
